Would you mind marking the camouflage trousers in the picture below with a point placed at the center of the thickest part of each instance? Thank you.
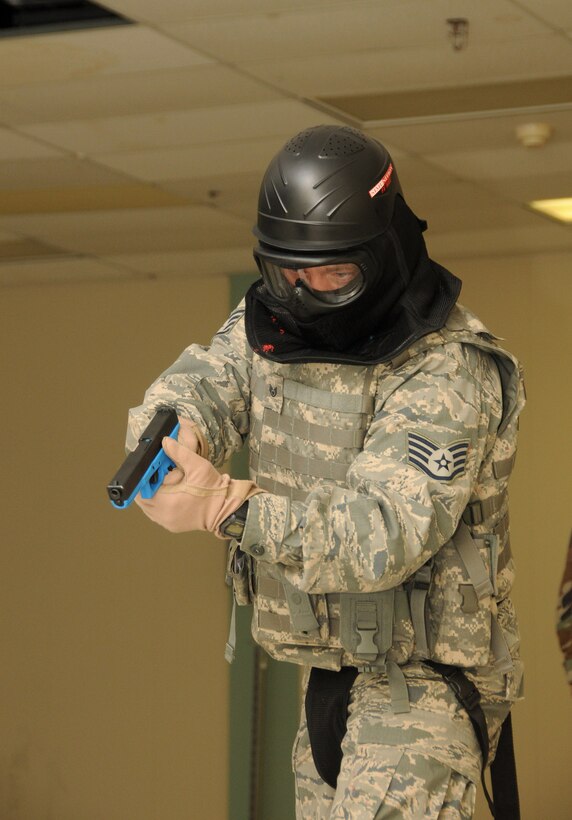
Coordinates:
(420, 764)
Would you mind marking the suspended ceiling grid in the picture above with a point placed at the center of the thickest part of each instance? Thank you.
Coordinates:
(137, 151)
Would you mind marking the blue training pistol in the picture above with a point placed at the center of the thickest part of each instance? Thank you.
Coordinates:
(145, 468)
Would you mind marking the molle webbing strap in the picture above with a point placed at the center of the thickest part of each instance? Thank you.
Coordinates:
(504, 556)
(230, 647)
(271, 621)
(501, 653)
(270, 588)
(300, 608)
(417, 600)
(277, 487)
(397, 689)
(478, 511)
(301, 617)
(338, 402)
(317, 433)
(302, 465)
(366, 627)
(474, 564)
(503, 468)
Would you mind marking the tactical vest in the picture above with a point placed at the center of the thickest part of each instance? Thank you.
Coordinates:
(455, 609)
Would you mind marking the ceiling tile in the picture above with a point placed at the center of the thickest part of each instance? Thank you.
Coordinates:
(482, 132)
(18, 249)
(124, 196)
(176, 128)
(77, 54)
(538, 186)
(47, 272)
(35, 174)
(423, 66)
(235, 193)
(212, 262)
(142, 230)
(15, 146)
(514, 161)
(143, 92)
(556, 12)
(328, 30)
(196, 161)
(515, 240)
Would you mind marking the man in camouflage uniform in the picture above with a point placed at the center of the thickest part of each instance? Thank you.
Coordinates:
(564, 615)
(372, 537)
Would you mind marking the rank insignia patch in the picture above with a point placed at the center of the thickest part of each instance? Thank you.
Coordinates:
(442, 463)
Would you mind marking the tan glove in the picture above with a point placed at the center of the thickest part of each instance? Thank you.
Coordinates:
(194, 496)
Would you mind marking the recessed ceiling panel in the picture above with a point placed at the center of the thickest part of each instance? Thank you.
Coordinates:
(179, 10)
(451, 102)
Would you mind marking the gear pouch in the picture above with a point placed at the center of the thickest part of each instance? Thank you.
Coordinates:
(238, 573)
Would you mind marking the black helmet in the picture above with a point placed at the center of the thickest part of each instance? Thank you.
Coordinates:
(345, 271)
(324, 197)
(330, 187)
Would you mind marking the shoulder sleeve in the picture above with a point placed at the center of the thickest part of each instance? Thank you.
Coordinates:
(208, 385)
(405, 492)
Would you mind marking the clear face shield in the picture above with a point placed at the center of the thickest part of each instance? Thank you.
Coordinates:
(312, 285)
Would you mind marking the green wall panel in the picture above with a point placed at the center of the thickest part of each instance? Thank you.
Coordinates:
(264, 705)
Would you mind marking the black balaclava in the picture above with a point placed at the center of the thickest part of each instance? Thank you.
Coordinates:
(411, 297)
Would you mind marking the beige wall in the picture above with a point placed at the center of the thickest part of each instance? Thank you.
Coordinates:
(528, 301)
(113, 686)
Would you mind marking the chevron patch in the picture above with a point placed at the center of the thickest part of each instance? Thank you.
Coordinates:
(442, 463)
(231, 321)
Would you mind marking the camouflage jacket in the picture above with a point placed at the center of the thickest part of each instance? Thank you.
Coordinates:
(383, 534)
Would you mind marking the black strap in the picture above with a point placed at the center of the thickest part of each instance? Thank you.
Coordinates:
(503, 775)
(326, 705)
(503, 769)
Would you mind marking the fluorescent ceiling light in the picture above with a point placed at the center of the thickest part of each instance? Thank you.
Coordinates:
(560, 209)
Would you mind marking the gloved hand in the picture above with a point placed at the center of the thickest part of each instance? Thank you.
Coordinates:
(194, 496)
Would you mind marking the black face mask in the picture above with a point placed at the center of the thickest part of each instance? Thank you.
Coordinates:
(409, 297)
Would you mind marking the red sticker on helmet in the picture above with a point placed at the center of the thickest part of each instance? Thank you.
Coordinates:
(383, 183)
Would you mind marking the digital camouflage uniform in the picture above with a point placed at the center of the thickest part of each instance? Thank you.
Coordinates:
(381, 540)
(564, 615)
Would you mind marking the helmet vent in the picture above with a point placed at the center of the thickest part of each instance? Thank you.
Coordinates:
(295, 145)
(343, 143)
